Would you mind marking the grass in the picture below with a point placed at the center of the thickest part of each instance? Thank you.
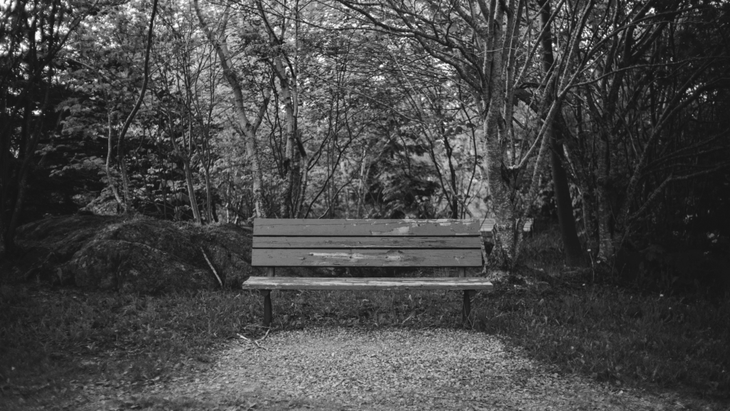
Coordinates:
(622, 338)
(54, 341)
(60, 338)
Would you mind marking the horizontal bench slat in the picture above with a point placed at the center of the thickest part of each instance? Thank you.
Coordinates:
(372, 283)
(296, 257)
(368, 242)
(370, 227)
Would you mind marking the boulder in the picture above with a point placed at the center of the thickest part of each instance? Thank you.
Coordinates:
(141, 255)
(136, 254)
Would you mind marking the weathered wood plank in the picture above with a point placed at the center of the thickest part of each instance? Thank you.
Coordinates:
(332, 257)
(370, 227)
(372, 283)
(461, 242)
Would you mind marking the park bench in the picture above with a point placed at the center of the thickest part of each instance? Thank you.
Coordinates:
(370, 243)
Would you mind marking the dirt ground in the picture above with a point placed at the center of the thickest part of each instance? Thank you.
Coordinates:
(351, 369)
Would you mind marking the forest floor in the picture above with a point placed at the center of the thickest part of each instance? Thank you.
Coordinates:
(350, 369)
(371, 351)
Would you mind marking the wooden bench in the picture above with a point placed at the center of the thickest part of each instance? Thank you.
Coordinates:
(369, 243)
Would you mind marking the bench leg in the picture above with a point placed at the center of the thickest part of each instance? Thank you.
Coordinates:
(267, 308)
(467, 306)
(467, 300)
(268, 315)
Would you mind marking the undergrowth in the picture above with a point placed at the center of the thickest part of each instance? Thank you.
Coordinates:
(50, 336)
(62, 337)
(618, 337)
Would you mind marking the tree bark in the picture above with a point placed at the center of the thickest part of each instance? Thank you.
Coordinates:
(563, 202)
(191, 192)
(292, 154)
(209, 201)
(107, 168)
(494, 100)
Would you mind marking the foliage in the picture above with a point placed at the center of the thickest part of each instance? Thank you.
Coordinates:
(33, 38)
(333, 109)
(657, 129)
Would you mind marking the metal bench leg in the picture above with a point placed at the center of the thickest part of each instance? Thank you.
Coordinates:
(267, 308)
(268, 314)
(467, 300)
(467, 306)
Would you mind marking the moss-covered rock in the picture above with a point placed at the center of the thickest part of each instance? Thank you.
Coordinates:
(132, 254)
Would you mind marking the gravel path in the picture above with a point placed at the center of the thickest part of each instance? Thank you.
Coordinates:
(346, 369)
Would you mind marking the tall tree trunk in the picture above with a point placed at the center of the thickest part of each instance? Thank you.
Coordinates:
(563, 202)
(293, 149)
(493, 126)
(564, 205)
(16, 204)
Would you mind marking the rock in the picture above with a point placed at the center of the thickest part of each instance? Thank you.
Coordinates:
(229, 249)
(47, 244)
(135, 254)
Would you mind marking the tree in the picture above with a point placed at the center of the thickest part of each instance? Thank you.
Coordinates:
(480, 43)
(563, 201)
(33, 38)
(121, 150)
(185, 84)
(637, 123)
(110, 57)
(279, 19)
(248, 128)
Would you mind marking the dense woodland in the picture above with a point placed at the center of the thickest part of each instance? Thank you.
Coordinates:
(609, 118)
(178, 122)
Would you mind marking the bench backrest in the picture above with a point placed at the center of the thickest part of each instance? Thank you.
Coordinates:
(369, 243)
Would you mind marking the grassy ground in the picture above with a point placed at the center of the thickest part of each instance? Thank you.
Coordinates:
(53, 341)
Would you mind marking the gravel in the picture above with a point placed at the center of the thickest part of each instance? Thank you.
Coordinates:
(396, 369)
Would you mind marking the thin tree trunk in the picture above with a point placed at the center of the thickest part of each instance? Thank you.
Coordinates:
(164, 199)
(210, 214)
(121, 153)
(191, 191)
(454, 203)
(246, 127)
(109, 178)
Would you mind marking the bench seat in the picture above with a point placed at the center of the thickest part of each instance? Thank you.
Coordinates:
(369, 283)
